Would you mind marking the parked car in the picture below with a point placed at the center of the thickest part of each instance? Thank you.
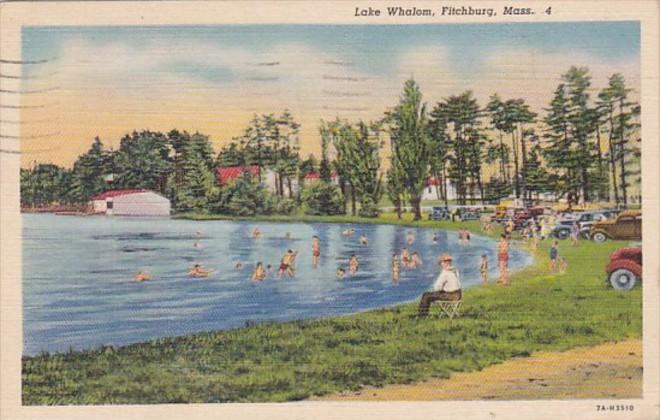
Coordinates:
(625, 268)
(627, 225)
(501, 213)
(584, 219)
(439, 213)
(469, 214)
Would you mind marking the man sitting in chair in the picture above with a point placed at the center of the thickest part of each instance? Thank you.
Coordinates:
(447, 287)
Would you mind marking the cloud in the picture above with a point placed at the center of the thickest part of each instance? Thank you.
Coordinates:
(110, 88)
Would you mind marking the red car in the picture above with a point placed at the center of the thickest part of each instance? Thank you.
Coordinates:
(625, 268)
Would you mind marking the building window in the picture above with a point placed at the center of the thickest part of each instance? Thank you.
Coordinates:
(108, 205)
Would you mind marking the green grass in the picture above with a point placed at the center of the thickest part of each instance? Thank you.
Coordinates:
(383, 219)
(295, 360)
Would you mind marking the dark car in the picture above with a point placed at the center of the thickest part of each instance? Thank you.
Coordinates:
(625, 268)
(584, 220)
(627, 225)
(439, 213)
(467, 213)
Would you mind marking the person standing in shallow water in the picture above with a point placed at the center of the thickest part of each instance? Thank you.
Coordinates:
(503, 259)
(396, 268)
(316, 251)
(483, 268)
(353, 264)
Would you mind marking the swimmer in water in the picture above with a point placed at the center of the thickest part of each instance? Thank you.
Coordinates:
(341, 273)
(405, 257)
(239, 266)
(256, 233)
(353, 264)
(410, 238)
(198, 271)
(142, 276)
(415, 260)
(259, 273)
(348, 232)
(316, 251)
(364, 240)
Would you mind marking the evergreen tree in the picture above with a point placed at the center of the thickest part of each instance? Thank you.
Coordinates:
(570, 133)
(143, 161)
(499, 121)
(439, 147)
(621, 116)
(231, 155)
(465, 141)
(87, 179)
(198, 184)
(408, 124)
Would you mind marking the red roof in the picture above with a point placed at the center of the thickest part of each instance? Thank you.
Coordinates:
(228, 173)
(116, 193)
(432, 181)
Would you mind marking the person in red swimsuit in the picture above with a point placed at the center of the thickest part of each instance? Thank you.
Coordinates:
(316, 251)
(503, 259)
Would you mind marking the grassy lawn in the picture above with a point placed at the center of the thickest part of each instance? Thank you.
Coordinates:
(295, 360)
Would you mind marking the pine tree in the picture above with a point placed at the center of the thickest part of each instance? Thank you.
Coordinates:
(570, 133)
(465, 142)
(409, 132)
(88, 171)
(143, 161)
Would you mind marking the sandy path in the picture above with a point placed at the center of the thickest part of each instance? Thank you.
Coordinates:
(611, 370)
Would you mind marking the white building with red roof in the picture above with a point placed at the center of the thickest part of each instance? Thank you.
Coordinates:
(433, 189)
(131, 202)
(268, 177)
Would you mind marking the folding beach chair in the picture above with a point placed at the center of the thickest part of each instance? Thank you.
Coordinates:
(450, 308)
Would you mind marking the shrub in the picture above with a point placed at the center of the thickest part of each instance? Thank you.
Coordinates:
(368, 208)
(284, 206)
(243, 197)
(322, 199)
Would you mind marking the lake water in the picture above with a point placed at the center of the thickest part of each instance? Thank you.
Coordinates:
(78, 291)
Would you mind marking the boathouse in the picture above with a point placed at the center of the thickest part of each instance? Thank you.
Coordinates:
(131, 203)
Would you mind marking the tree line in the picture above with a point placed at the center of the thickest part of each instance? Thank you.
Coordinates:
(584, 148)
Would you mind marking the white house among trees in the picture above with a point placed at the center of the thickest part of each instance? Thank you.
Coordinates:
(137, 202)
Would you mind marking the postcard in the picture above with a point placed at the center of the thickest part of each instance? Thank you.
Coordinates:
(329, 209)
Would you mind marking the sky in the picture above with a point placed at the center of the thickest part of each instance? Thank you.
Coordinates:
(109, 81)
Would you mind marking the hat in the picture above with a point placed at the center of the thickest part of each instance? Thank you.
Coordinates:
(445, 257)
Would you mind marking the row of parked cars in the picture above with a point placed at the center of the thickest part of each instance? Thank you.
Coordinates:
(598, 225)
(601, 225)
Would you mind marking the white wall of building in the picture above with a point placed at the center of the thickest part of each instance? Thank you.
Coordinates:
(432, 192)
(269, 180)
(146, 203)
